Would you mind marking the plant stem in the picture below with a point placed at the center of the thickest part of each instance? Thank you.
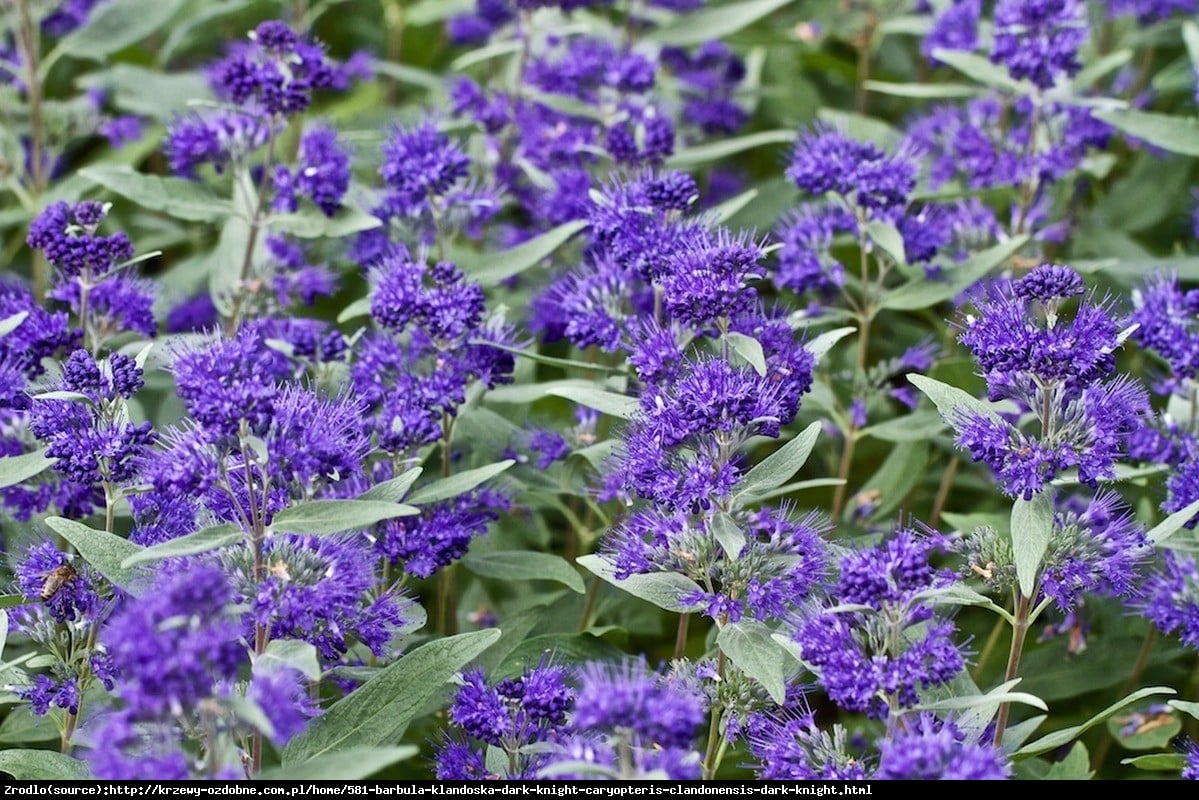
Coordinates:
(680, 638)
(714, 737)
(28, 37)
(589, 604)
(951, 472)
(1024, 607)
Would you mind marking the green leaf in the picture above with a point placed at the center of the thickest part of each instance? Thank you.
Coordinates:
(359, 308)
(551, 360)
(1173, 523)
(525, 565)
(611, 403)
(572, 648)
(663, 589)
(1150, 731)
(379, 711)
(949, 399)
(311, 223)
(820, 346)
(1157, 762)
(115, 25)
(177, 197)
(1185, 706)
(1032, 528)
(105, 552)
(748, 348)
(492, 269)
(1176, 134)
(725, 211)
(778, 467)
(714, 151)
(887, 237)
(354, 764)
(729, 534)
(19, 469)
(333, 516)
(1056, 739)
(922, 91)
(923, 293)
(1076, 766)
(11, 323)
(292, 654)
(914, 426)
(460, 483)
(405, 73)
(10, 600)
(752, 650)
(714, 22)
(392, 491)
(1190, 36)
(979, 68)
(203, 541)
(42, 765)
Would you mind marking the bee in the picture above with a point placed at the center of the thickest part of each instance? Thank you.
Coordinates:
(56, 579)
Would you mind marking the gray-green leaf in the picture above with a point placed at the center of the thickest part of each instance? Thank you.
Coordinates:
(202, 541)
(494, 268)
(177, 197)
(19, 469)
(1032, 528)
(105, 552)
(524, 565)
(663, 589)
(778, 467)
(751, 648)
(333, 516)
(379, 711)
(460, 483)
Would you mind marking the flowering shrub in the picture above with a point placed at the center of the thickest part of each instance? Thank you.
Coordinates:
(599, 389)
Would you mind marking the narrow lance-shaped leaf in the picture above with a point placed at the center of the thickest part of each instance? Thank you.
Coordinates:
(379, 711)
(1032, 528)
(19, 469)
(663, 589)
(105, 552)
(778, 467)
(457, 484)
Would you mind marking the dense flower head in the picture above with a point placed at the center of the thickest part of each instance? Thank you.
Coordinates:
(615, 698)
(1020, 340)
(513, 712)
(782, 560)
(442, 533)
(633, 223)
(277, 71)
(1039, 40)
(1170, 597)
(283, 698)
(177, 643)
(794, 747)
(894, 572)
(710, 77)
(930, 749)
(67, 236)
(804, 261)
(126, 749)
(322, 173)
(220, 137)
(1097, 547)
(318, 589)
(40, 334)
(1166, 316)
(66, 587)
(120, 303)
(230, 381)
(436, 298)
(955, 28)
(706, 280)
(420, 163)
(826, 160)
(1150, 11)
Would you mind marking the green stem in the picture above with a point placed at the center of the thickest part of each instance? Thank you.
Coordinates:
(1019, 634)
(589, 604)
(680, 638)
(714, 737)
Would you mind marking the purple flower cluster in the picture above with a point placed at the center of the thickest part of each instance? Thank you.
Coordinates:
(1057, 369)
(276, 72)
(322, 173)
(878, 661)
(1038, 40)
(510, 715)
